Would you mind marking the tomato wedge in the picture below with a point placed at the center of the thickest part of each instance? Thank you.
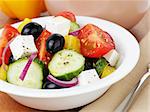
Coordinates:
(8, 33)
(68, 15)
(95, 42)
(43, 55)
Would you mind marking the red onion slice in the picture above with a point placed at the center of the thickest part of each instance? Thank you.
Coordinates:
(75, 33)
(27, 66)
(71, 83)
(4, 53)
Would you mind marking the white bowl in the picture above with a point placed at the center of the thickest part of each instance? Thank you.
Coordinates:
(69, 98)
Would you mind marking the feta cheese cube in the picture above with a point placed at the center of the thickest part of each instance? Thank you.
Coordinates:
(112, 57)
(23, 45)
(87, 77)
(59, 25)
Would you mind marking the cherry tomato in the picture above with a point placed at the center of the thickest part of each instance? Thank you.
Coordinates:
(95, 42)
(68, 15)
(8, 33)
(43, 55)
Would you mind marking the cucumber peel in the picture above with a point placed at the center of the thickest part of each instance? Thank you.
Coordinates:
(66, 64)
(33, 78)
(100, 65)
(74, 26)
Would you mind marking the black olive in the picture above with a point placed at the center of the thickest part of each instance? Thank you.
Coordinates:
(32, 28)
(50, 85)
(89, 63)
(11, 59)
(45, 73)
(55, 43)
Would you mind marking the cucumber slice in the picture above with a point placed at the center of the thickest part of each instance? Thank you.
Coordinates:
(74, 26)
(33, 77)
(66, 64)
(36, 60)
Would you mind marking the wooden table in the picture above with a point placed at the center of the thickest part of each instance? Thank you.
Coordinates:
(7, 104)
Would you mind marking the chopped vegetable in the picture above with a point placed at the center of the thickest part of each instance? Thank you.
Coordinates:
(27, 66)
(21, 9)
(107, 71)
(71, 83)
(68, 15)
(3, 72)
(43, 55)
(25, 21)
(94, 42)
(39, 62)
(7, 34)
(33, 77)
(66, 64)
(72, 43)
(75, 33)
(51, 85)
(74, 27)
(6, 53)
(100, 65)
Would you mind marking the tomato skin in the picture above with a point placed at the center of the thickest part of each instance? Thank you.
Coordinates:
(7, 56)
(68, 15)
(95, 42)
(43, 55)
(8, 33)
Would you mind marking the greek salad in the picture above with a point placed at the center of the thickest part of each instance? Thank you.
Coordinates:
(60, 55)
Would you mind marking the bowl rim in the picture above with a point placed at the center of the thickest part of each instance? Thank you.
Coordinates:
(105, 82)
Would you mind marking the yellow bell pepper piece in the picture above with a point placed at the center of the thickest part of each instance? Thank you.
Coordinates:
(3, 73)
(72, 43)
(107, 71)
(6, 9)
(25, 21)
(21, 8)
(43, 6)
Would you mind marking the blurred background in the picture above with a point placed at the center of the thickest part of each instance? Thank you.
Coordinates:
(124, 12)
